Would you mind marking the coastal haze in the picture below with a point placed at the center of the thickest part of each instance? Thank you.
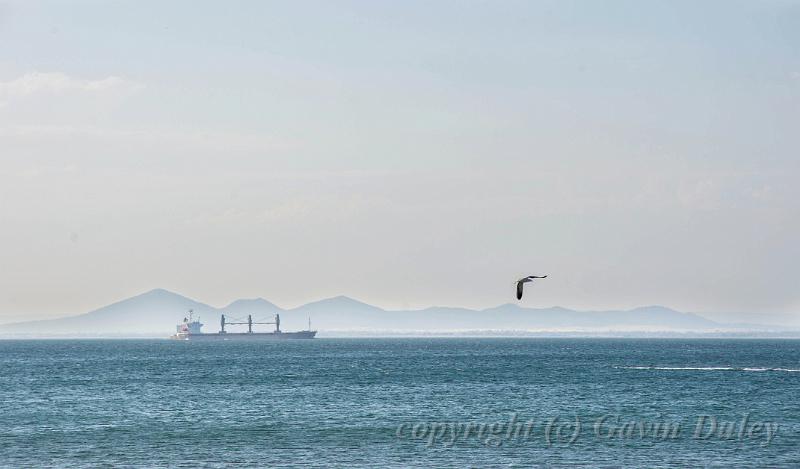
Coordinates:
(156, 312)
(407, 154)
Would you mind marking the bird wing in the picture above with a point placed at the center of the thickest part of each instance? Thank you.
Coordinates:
(519, 289)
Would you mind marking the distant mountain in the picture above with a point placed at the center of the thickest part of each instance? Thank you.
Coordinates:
(338, 303)
(142, 314)
(254, 306)
(335, 312)
(156, 313)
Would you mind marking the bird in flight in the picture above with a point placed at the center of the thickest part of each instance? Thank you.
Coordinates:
(523, 281)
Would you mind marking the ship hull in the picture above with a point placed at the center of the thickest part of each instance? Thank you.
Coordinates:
(248, 336)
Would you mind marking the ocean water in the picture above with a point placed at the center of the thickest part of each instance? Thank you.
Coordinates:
(400, 403)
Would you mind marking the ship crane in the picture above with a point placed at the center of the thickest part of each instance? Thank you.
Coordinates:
(250, 322)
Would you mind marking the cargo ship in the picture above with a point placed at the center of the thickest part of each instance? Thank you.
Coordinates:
(190, 329)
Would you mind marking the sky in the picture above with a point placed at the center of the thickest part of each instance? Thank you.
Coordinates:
(406, 154)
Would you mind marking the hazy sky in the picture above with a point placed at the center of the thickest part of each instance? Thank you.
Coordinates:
(403, 153)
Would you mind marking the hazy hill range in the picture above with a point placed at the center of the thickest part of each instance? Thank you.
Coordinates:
(156, 313)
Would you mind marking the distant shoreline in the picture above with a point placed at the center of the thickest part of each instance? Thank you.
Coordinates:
(784, 335)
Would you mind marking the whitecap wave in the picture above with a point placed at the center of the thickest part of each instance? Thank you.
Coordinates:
(706, 368)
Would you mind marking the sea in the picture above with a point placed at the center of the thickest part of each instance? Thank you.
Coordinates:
(401, 402)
